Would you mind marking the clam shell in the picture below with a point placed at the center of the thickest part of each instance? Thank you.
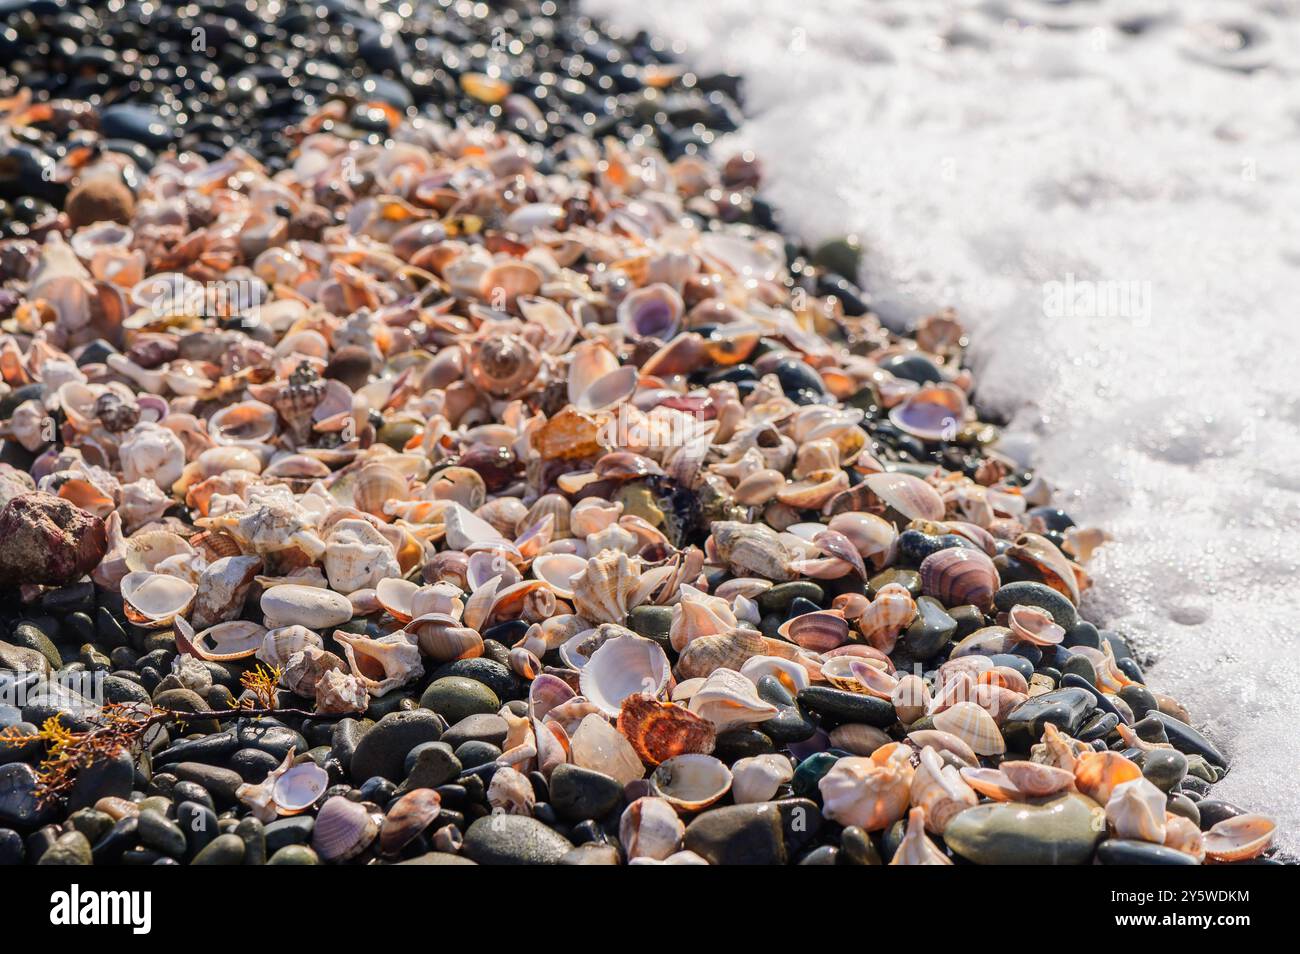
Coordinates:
(621, 667)
(299, 788)
(409, 815)
(660, 730)
(343, 829)
(560, 571)
(1033, 625)
(227, 642)
(691, 783)
(910, 496)
(651, 828)
(818, 632)
(957, 576)
(932, 413)
(1240, 838)
(154, 600)
(973, 726)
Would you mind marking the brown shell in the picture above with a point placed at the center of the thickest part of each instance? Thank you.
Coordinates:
(410, 815)
(660, 730)
(957, 576)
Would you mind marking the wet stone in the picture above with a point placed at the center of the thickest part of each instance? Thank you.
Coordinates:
(739, 835)
(577, 793)
(839, 705)
(778, 598)
(1064, 708)
(513, 840)
(480, 727)
(1124, 851)
(383, 749)
(1060, 831)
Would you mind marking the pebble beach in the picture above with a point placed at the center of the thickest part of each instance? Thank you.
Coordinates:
(432, 435)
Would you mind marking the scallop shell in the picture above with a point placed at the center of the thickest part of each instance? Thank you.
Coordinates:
(909, 496)
(660, 730)
(601, 593)
(973, 726)
(1030, 624)
(729, 701)
(818, 632)
(621, 667)
(1239, 839)
(691, 783)
(727, 651)
(407, 818)
(154, 600)
(757, 778)
(299, 788)
(957, 576)
(382, 664)
(940, 790)
(916, 848)
(343, 829)
(651, 828)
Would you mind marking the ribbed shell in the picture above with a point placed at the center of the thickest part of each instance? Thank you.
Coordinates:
(957, 576)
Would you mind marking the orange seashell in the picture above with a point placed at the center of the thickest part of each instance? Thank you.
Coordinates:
(660, 730)
(1097, 774)
(882, 621)
(1239, 839)
(1030, 624)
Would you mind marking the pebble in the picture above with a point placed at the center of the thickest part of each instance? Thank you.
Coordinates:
(1164, 768)
(577, 793)
(480, 727)
(227, 849)
(431, 764)
(1064, 708)
(842, 706)
(456, 697)
(383, 749)
(739, 835)
(1125, 851)
(1060, 831)
(514, 840)
(70, 848)
(161, 834)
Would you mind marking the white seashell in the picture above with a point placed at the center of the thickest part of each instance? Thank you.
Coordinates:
(729, 700)
(358, 556)
(757, 778)
(152, 452)
(299, 788)
(691, 782)
(153, 600)
(601, 594)
(974, 726)
(510, 792)
(464, 529)
(698, 614)
(598, 745)
(621, 667)
(382, 664)
(226, 642)
(651, 828)
(788, 673)
(560, 571)
(1136, 809)
(221, 589)
(290, 604)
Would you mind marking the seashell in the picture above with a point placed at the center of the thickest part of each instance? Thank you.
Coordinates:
(358, 556)
(874, 537)
(305, 668)
(437, 598)
(592, 515)
(814, 491)
(757, 778)
(933, 413)
(916, 848)
(154, 600)
(278, 645)
(1239, 839)
(882, 621)
(911, 497)
(343, 829)
(973, 726)
(598, 745)
(726, 651)
(260, 798)
(382, 664)
(1036, 780)
(991, 783)
(1030, 624)
(759, 487)
(1059, 750)
(502, 365)
(857, 738)
(1136, 809)
(938, 788)
(957, 576)
(510, 792)
(1181, 834)
(443, 639)
(246, 424)
(911, 698)
(410, 815)
(690, 783)
(376, 486)
(559, 571)
(698, 614)
(651, 828)
(151, 452)
(289, 604)
(623, 666)
(1098, 774)
(224, 642)
(660, 730)
(871, 793)
(944, 742)
(299, 788)
(654, 311)
(818, 632)
(1044, 556)
(601, 593)
(729, 700)
(555, 506)
(339, 692)
(752, 550)
(789, 674)
(221, 589)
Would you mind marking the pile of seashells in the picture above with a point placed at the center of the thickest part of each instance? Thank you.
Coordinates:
(450, 399)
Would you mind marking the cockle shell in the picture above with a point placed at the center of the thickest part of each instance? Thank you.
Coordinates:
(1136, 809)
(1239, 839)
(973, 726)
(1030, 624)
(343, 829)
(757, 778)
(729, 701)
(957, 576)
(869, 793)
(729, 651)
(818, 632)
(909, 496)
(408, 816)
(601, 593)
(621, 667)
(153, 600)
(939, 789)
(916, 848)
(660, 730)
(382, 664)
(882, 621)
(651, 828)
(692, 782)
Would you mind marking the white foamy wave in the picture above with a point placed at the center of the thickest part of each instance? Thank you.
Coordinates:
(984, 151)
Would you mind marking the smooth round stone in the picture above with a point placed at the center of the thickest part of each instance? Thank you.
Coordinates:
(1164, 768)
(1124, 851)
(1215, 810)
(1062, 831)
(1140, 699)
(117, 689)
(1064, 708)
(779, 598)
(382, 750)
(71, 848)
(810, 772)
(253, 834)
(1187, 740)
(857, 848)
(504, 683)
(789, 725)
(12, 849)
(198, 822)
(253, 764)
(480, 727)
(431, 764)
(1078, 665)
(456, 697)
(136, 123)
(1097, 726)
(513, 840)
(436, 858)
(771, 691)
(283, 832)
(91, 823)
(19, 806)
(739, 835)
(652, 622)
(161, 834)
(294, 855)
(1019, 663)
(476, 753)
(969, 618)
(220, 783)
(1038, 594)
(311, 606)
(578, 793)
(276, 740)
(908, 579)
(741, 743)
(822, 855)
(1084, 634)
(1184, 806)
(30, 636)
(932, 629)
(842, 706)
(207, 748)
(913, 367)
(227, 849)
